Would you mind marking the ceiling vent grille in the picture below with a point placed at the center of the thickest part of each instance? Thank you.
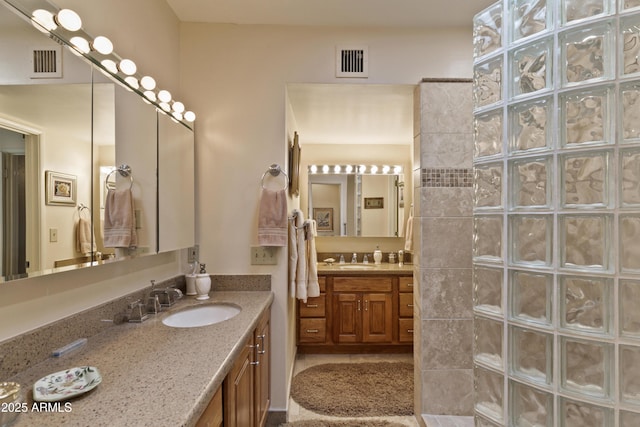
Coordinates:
(46, 63)
(352, 61)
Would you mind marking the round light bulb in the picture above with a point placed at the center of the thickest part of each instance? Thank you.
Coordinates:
(103, 45)
(176, 115)
(337, 169)
(132, 81)
(109, 65)
(362, 169)
(349, 168)
(164, 95)
(397, 170)
(80, 43)
(190, 116)
(44, 19)
(325, 169)
(165, 106)
(314, 169)
(374, 169)
(69, 20)
(178, 107)
(127, 67)
(151, 96)
(148, 82)
(386, 169)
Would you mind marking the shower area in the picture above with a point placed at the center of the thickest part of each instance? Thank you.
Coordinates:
(556, 214)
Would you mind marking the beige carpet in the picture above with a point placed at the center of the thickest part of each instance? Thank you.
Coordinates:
(356, 389)
(326, 423)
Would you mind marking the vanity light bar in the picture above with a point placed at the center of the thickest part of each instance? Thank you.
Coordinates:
(361, 169)
(66, 25)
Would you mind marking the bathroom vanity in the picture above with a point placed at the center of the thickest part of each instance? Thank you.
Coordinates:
(359, 310)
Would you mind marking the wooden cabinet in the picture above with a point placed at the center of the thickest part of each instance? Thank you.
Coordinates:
(212, 415)
(355, 313)
(405, 310)
(246, 387)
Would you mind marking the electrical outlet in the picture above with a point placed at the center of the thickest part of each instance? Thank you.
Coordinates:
(261, 255)
(192, 254)
(53, 235)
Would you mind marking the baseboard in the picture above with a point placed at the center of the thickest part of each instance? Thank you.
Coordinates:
(275, 418)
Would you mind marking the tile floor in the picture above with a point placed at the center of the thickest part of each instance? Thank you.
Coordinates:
(304, 361)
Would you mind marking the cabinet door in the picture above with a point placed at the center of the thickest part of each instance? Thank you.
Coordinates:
(347, 317)
(239, 391)
(212, 415)
(262, 340)
(377, 318)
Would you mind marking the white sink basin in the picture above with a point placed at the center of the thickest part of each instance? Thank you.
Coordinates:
(356, 267)
(201, 315)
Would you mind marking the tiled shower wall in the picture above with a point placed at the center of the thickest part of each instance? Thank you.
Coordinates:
(557, 213)
(443, 152)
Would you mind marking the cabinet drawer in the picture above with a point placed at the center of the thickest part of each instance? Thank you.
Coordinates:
(406, 330)
(405, 284)
(362, 284)
(312, 330)
(405, 302)
(314, 307)
(322, 281)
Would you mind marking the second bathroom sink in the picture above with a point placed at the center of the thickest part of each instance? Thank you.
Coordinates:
(201, 315)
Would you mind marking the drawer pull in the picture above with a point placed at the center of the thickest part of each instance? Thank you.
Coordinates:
(312, 331)
(409, 285)
(409, 305)
(312, 306)
(410, 331)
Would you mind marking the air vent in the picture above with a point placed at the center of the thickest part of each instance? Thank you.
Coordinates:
(352, 61)
(46, 63)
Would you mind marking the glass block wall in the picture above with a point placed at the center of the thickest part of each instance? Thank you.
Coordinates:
(557, 213)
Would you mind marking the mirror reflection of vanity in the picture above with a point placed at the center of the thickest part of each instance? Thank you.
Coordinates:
(357, 202)
(67, 130)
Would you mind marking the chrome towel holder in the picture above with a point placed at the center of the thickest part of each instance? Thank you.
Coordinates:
(125, 171)
(275, 170)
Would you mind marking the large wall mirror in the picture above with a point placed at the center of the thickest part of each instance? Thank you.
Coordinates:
(64, 130)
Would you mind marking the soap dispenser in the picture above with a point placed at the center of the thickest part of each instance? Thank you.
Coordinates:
(377, 255)
(203, 284)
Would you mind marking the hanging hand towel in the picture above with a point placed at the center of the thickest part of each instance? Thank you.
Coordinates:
(408, 234)
(119, 220)
(301, 269)
(313, 287)
(293, 250)
(85, 240)
(272, 218)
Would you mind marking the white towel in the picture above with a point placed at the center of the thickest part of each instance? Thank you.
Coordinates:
(313, 287)
(85, 239)
(408, 234)
(293, 250)
(272, 218)
(301, 265)
(119, 220)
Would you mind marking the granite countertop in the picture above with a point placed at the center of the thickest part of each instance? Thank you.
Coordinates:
(383, 269)
(152, 374)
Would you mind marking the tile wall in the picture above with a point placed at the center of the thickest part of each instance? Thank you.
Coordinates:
(443, 153)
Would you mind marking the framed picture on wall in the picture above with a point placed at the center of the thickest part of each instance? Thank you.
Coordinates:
(323, 218)
(60, 189)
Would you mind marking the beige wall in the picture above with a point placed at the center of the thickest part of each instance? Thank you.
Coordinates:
(235, 78)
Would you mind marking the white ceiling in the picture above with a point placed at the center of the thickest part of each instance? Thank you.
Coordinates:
(364, 114)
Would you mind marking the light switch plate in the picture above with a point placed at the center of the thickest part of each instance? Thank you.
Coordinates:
(263, 255)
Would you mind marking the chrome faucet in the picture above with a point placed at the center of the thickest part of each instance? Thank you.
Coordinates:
(167, 296)
(354, 258)
(137, 312)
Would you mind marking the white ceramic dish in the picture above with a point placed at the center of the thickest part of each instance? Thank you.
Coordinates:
(66, 384)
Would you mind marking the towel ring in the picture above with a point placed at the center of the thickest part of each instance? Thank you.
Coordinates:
(124, 171)
(275, 170)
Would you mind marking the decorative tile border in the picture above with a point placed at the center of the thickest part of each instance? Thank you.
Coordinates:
(447, 177)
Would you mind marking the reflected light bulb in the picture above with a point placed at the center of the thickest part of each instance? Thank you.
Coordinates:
(177, 115)
(151, 96)
(44, 18)
(110, 66)
(190, 116)
(69, 20)
(103, 45)
(148, 82)
(132, 81)
(80, 43)
(128, 67)
(164, 96)
(165, 106)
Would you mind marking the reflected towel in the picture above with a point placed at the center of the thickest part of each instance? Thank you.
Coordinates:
(272, 218)
(311, 231)
(119, 220)
(301, 265)
(85, 240)
(408, 234)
